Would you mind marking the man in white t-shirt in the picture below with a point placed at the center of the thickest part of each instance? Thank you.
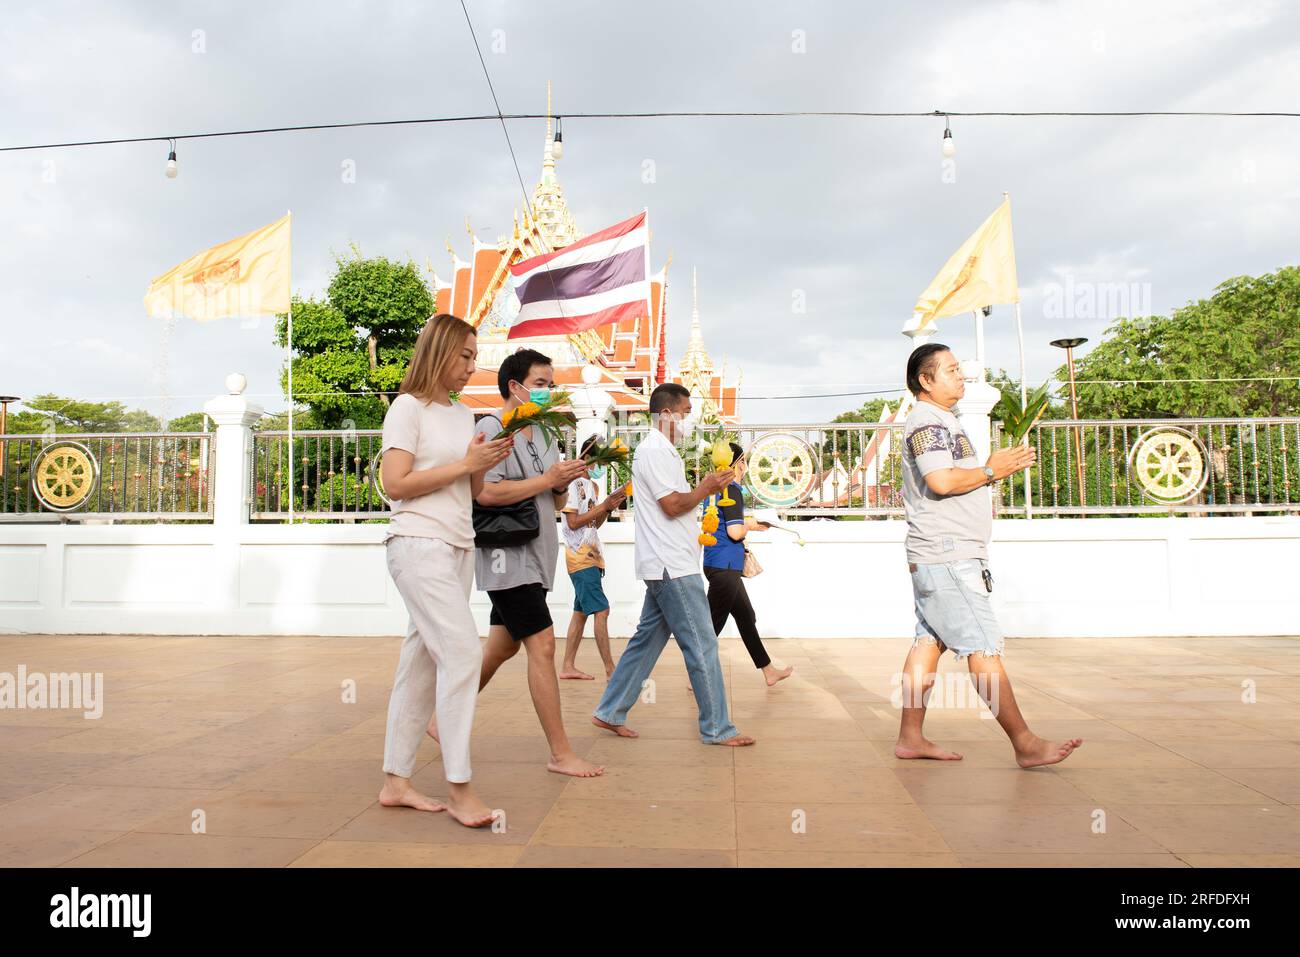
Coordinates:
(667, 554)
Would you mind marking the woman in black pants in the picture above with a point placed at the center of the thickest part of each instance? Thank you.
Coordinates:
(723, 564)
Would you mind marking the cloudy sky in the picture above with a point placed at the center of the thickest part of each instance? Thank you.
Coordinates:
(853, 216)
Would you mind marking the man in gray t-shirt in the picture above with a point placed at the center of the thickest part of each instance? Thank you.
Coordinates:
(941, 528)
(949, 524)
(517, 579)
(534, 561)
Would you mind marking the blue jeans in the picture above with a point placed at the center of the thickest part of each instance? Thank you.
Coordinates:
(677, 607)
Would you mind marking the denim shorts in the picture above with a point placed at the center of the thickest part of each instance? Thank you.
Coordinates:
(953, 608)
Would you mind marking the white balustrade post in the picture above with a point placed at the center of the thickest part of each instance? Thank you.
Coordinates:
(235, 417)
(590, 407)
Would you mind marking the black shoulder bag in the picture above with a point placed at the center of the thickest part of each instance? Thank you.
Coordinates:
(504, 526)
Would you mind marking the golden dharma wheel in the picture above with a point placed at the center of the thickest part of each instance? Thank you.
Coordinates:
(64, 476)
(376, 479)
(1170, 464)
(782, 469)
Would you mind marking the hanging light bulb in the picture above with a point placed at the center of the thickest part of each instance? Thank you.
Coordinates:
(171, 161)
(557, 149)
(949, 147)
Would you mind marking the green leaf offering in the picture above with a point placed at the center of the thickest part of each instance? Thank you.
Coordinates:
(1017, 422)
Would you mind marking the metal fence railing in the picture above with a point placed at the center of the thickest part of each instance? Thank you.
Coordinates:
(124, 476)
(825, 470)
(334, 475)
(1192, 466)
(840, 470)
(828, 470)
(1160, 466)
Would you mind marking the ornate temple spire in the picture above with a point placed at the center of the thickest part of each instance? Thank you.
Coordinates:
(661, 358)
(548, 149)
(696, 365)
(549, 208)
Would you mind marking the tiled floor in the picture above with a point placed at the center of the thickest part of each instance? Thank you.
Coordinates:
(242, 751)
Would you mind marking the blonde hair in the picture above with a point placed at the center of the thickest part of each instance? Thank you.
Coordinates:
(438, 345)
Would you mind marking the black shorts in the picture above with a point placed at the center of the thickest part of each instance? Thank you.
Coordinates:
(521, 609)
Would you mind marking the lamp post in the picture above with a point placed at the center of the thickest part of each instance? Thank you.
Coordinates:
(4, 421)
(1069, 345)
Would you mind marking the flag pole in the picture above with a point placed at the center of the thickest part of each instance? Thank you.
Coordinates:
(1024, 405)
(1020, 334)
(1024, 389)
(289, 352)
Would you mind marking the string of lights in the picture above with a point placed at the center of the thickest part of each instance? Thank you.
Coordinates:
(948, 144)
(658, 114)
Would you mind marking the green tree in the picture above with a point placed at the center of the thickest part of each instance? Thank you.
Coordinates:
(189, 422)
(869, 411)
(358, 340)
(303, 418)
(138, 420)
(1249, 329)
(69, 415)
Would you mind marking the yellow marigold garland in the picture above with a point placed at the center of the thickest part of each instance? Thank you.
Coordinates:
(709, 524)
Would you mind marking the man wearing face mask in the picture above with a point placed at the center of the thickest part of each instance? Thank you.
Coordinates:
(667, 552)
(517, 578)
(585, 561)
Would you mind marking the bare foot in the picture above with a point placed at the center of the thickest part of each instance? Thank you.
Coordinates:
(1040, 751)
(773, 675)
(432, 729)
(622, 730)
(575, 673)
(575, 766)
(924, 749)
(397, 792)
(739, 741)
(466, 807)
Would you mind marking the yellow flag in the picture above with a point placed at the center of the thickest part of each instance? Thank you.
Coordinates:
(247, 276)
(981, 273)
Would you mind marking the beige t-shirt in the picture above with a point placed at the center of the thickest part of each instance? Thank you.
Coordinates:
(436, 435)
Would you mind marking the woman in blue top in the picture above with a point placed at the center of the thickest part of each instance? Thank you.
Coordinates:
(723, 564)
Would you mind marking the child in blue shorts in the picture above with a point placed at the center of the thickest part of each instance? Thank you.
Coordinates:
(583, 515)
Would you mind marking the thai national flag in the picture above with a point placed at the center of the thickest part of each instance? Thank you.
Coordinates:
(598, 280)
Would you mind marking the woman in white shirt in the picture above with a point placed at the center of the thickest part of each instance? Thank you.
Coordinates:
(433, 465)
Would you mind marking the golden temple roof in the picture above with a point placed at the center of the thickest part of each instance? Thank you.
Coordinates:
(696, 364)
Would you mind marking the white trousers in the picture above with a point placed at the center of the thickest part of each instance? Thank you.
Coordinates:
(441, 656)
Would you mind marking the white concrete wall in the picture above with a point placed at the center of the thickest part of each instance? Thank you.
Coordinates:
(1054, 577)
